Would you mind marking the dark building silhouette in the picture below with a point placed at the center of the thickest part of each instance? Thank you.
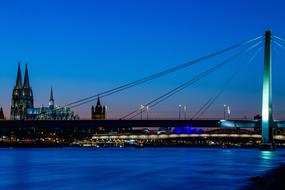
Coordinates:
(257, 117)
(2, 117)
(22, 96)
(98, 112)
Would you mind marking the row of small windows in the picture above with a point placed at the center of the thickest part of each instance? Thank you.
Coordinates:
(17, 93)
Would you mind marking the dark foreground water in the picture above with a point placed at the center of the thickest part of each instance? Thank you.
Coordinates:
(131, 168)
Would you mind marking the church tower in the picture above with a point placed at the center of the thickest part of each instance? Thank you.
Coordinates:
(22, 96)
(16, 105)
(27, 93)
(51, 100)
(98, 112)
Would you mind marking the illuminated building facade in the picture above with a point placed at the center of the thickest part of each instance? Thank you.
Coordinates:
(22, 96)
(22, 106)
(98, 112)
(52, 112)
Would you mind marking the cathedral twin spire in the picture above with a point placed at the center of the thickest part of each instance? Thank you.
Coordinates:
(19, 77)
(19, 84)
(22, 96)
(26, 78)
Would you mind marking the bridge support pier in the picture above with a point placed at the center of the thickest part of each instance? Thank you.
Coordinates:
(267, 119)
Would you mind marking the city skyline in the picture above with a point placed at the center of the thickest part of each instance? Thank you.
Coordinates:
(85, 56)
(107, 94)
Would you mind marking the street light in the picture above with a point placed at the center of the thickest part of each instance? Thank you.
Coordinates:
(147, 109)
(225, 111)
(179, 111)
(228, 112)
(185, 109)
(141, 108)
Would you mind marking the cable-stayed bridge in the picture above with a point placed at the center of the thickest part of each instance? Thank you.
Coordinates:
(252, 47)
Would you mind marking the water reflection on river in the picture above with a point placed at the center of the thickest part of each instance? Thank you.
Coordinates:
(130, 168)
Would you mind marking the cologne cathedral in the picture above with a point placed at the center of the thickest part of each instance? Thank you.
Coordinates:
(22, 96)
(22, 106)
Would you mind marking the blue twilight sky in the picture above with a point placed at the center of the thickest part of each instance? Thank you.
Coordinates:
(82, 47)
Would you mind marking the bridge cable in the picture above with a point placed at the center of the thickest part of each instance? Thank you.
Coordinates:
(282, 58)
(279, 38)
(151, 77)
(280, 45)
(211, 100)
(275, 49)
(167, 95)
(175, 92)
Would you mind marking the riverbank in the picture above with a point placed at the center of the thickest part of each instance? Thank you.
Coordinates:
(121, 145)
(272, 180)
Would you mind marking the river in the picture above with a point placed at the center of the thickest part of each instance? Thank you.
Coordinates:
(132, 168)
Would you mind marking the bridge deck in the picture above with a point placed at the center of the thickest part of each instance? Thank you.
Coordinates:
(131, 123)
